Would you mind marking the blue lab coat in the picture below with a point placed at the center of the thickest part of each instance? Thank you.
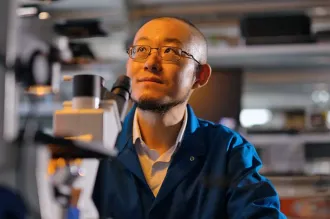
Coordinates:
(213, 174)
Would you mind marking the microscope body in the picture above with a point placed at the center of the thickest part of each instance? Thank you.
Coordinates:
(87, 118)
(98, 123)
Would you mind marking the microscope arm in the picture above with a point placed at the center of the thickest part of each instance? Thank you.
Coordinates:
(72, 149)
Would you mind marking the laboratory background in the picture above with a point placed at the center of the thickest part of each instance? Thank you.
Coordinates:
(270, 79)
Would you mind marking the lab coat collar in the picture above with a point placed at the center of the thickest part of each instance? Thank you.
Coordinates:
(126, 134)
(189, 154)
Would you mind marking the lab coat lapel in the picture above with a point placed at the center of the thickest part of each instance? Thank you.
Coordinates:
(189, 155)
(130, 160)
(127, 154)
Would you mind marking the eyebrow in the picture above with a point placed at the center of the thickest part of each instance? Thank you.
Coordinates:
(166, 40)
(173, 40)
(143, 39)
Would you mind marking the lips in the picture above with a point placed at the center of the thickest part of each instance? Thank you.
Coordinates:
(150, 79)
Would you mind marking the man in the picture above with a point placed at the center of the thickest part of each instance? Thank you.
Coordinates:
(171, 164)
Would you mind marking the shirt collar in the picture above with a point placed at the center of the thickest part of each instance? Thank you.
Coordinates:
(137, 132)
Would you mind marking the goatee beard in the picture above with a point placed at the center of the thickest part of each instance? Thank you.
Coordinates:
(156, 107)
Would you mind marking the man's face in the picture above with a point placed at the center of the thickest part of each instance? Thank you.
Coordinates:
(157, 83)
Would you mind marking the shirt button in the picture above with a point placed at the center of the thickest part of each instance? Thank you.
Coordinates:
(192, 158)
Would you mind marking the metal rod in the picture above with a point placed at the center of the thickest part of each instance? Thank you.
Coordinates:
(8, 116)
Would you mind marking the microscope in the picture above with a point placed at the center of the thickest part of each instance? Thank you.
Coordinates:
(93, 116)
(51, 176)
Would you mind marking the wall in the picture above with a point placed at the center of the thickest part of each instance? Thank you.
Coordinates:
(221, 97)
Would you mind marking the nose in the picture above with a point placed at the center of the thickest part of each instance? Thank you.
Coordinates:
(153, 63)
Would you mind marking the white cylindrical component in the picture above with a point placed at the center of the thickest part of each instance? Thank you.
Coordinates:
(85, 102)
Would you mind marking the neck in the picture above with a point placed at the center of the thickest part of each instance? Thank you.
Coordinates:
(160, 130)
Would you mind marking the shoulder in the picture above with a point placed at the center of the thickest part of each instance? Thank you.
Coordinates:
(219, 135)
(224, 145)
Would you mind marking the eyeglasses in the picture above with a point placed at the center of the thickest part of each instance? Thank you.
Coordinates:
(167, 53)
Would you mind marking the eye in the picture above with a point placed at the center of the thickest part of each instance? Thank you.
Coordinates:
(170, 50)
(141, 49)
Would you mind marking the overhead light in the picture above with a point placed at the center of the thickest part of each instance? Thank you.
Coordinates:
(320, 96)
(39, 90)
(27, 11)
(32, 11)
(44, 15)
(252, 117)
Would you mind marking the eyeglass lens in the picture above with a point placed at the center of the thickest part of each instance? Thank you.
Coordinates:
(166, 53)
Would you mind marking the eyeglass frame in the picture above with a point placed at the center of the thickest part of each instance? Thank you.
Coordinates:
(182, 51)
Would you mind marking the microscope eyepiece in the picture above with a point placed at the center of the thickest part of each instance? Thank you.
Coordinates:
(122, 87)
(122, 82)
(87, 85)
(120, 92)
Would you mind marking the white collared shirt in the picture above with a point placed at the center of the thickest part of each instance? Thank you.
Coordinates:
(154, 166)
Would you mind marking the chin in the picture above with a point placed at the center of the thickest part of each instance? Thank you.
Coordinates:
(157, 105)
(150, 98)
(149, 95)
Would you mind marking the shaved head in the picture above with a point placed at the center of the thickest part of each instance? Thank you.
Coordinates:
(197, 37)
(198, 40)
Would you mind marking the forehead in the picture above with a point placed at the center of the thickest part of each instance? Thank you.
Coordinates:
(165, 30)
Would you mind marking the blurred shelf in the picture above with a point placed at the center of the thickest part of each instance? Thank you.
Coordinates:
(111, 11)
(298, 180)
(290, 55)
(272, 50)
(34, 2)
(286, 139)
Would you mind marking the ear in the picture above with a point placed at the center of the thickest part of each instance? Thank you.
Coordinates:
(202, 76)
